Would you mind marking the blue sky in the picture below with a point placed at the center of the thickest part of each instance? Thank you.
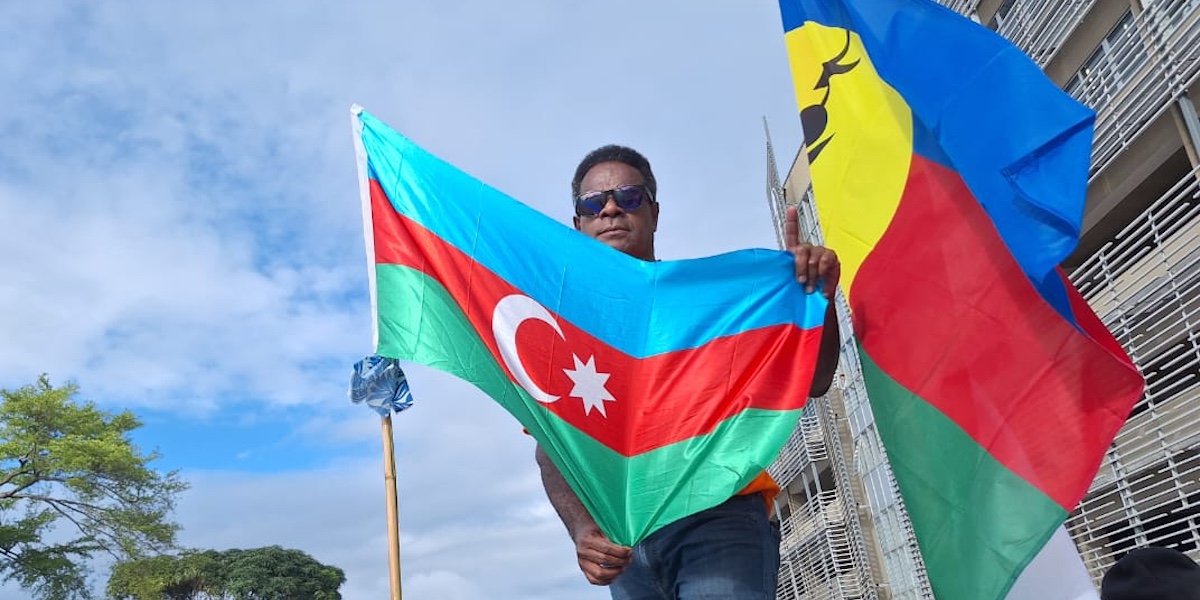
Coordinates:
(181, 235)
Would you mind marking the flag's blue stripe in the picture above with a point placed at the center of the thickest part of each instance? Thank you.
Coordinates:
(1054, 292)
(638, 307)
(926, 144)
(1021, 144)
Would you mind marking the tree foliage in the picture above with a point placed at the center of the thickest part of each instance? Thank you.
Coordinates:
(271, 573)
(73, 485)
(185, 577)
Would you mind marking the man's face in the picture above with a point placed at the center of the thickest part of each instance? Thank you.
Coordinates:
(631, 232)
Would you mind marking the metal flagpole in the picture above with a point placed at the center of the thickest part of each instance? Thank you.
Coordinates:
(393, 510)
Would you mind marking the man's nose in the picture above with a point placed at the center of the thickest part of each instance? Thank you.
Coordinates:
(610, 207)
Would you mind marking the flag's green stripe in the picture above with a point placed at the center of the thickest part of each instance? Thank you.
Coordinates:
(409, 300)
(419, 321)
(705, 464)
(977, 523)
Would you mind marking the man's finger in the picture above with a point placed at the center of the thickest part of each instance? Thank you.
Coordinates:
(595, 575)
(803, 254)
(791, 228)
(599, 575)
(611, 569)
(831, 273)
(597, 549)
(605, 547)
(600, 557)
(814, 269)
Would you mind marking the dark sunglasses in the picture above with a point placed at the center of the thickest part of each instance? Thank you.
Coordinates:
(627, 197)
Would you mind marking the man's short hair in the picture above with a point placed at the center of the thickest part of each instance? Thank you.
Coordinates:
(619, 154)
(1152, 573)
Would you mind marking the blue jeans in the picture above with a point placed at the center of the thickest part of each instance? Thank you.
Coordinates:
(728, 552)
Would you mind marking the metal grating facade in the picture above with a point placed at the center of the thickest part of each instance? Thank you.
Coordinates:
(1140, 69)
(1038, 27)
(1145, 285)
(845, 535)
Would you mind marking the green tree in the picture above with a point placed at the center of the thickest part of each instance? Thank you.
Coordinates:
(73, 485)
(274, 573)
(189, 576)
(271, 573)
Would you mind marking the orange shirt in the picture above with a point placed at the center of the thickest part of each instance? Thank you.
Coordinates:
(765, 485)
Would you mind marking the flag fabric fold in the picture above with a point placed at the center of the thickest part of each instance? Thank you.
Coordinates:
(658, 389)
(950, 175)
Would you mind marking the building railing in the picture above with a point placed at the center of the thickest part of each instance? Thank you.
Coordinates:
(1135, 76)
(817, 549)
(804, 449)
(962, 7)
(1144, 70)
(1145, 286)
(1038, 27)
(848, 543)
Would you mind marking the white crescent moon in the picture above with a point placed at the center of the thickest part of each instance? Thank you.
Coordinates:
(510, 312)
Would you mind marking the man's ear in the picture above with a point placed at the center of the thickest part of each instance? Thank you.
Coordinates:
(653, 215)
(575, 220)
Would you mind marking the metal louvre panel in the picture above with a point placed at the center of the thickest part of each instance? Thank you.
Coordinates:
(1147, 67)
(965, 7)
(817, 550)
(804, 448)
(1145, 285)
(1038, 27)
(1137, 74)
(821, 548)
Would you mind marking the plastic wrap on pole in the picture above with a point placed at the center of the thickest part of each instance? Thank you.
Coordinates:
(380, 384)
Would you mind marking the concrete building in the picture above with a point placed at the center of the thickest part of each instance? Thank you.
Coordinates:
(1138, 263)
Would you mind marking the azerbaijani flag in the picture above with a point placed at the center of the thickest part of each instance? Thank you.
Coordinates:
(659, 389)
(950, 175)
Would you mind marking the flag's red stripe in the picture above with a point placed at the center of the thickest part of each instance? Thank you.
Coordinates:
(946, 297)
(674, 407)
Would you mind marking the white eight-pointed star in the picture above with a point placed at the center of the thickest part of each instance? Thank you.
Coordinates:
(589, 385)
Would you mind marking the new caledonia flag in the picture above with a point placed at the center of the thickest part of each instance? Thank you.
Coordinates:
(658, 389)
(950, 175)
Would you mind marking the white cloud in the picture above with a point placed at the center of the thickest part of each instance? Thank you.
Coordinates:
(183, 182)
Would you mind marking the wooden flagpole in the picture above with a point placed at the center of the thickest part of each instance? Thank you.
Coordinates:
(393, 517)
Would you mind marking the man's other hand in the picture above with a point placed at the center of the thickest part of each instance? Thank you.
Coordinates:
(813, 263)
(600, 560)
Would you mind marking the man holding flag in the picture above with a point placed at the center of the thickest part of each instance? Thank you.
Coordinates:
(659, 390)
(730, 551)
